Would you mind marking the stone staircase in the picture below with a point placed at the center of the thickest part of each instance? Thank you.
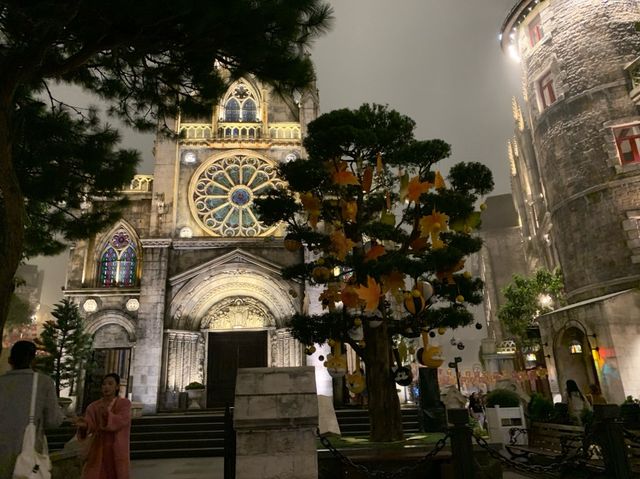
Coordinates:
(201, 434)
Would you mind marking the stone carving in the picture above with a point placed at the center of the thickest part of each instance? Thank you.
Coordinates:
(238, 313)
(183, 354)
(133, 304)
(90, 306)
(286, 351)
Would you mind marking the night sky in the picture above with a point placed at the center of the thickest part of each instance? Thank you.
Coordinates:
(437, 61)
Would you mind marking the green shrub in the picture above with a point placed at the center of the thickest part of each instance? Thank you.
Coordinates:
(194, 385)
(540, 409)
(502, 398)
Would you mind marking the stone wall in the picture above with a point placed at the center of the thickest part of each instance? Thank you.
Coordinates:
(585, 47)
(275, 418)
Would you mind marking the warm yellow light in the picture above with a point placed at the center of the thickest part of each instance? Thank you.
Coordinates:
(513, 53)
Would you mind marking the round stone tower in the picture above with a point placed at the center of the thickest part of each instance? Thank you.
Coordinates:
(578, 61)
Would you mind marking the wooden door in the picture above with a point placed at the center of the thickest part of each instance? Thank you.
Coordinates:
(227, 352)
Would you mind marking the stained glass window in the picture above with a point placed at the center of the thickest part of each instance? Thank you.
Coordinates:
(222, 192)
(118, 263)
(241, 105)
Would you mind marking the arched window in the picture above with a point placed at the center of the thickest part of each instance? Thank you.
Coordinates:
(249, 110)
(241, 104)
(118, 262)
(232, 110)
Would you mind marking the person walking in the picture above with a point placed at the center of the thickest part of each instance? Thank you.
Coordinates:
(576, 400)
(15, 394)
(107, 422)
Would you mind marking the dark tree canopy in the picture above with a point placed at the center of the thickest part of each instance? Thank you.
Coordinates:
(386, 239)
(148, 61)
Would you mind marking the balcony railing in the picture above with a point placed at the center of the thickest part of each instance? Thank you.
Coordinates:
(240, 131)
(141, 183)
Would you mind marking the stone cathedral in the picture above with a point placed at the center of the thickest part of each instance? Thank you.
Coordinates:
(187, 286)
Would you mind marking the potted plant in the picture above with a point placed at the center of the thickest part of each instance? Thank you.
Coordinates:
(504, 412)
(65, 348)
(195, 391)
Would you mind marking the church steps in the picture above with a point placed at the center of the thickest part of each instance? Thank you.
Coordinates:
(202, 434)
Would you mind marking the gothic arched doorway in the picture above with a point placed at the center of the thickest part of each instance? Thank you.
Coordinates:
(238, 338)
(574, 360)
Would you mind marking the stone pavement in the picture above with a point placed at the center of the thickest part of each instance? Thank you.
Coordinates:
(200, 468)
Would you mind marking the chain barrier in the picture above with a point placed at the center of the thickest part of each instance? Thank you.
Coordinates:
(578, 459)
(400, 473)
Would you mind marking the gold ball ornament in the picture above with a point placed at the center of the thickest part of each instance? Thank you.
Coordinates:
(483, 206)
(331, 342)
(459, 299)
(357, 322)
(321, 274)
(467, 275)
(441, 331)
(292, 244)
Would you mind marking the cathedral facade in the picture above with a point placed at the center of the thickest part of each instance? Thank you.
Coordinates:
(187, 286)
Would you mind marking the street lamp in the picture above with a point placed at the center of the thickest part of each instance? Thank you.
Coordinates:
(454, 365)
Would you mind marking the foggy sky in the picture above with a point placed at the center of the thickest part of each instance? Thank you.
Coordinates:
(437, 61)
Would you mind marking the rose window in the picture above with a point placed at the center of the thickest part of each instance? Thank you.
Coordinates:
(222, 194)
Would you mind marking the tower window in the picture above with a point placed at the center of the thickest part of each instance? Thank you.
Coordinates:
(546, 90)
(535, 31)
(118, 262)
(628, 143)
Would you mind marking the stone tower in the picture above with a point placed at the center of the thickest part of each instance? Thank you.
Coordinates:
(187, 287)
(576, 177)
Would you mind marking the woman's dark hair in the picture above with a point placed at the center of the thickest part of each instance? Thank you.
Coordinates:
(112, 375)
(572, 387)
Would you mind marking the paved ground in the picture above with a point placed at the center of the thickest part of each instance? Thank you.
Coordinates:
(200, 468)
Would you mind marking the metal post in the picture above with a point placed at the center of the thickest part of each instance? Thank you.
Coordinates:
(461, 444)
(610, 435)
(229, 444)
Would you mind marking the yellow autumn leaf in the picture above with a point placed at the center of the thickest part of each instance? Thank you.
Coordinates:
(415, 188)
(340, 244)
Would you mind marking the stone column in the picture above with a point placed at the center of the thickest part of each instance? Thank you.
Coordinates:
(147, 363)
(286, 351)
(183, 362)
(275, 418)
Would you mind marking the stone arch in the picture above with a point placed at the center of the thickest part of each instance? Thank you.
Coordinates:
(572, 353)
(236, 274)
(113, 322)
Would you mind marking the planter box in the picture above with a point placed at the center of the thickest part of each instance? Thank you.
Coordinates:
(501, 420)
(136, 409)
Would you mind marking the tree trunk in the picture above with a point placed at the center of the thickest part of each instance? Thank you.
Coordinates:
(384, 405)
(11, 213)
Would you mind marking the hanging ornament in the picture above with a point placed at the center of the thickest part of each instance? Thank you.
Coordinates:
(425, 288)
(336, 363)
(430, 356)
(441, 331)
(401, 374)
(478, 326)
(432, 334)
(414, 302)
(309, 350)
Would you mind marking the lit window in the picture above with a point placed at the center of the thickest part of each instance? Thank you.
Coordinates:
(547, 91)
(628, 143)
(118, 262)
(575, 347)
(535, 31)
(240, 105)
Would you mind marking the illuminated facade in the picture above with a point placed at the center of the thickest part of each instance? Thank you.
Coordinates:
(576, 180)
(188, 286)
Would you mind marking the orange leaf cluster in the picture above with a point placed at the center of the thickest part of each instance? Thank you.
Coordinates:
(312, 205)
(370, 294)
(344, 177)
(340, 244)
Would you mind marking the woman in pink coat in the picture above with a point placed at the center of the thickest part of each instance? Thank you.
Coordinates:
(109, 421)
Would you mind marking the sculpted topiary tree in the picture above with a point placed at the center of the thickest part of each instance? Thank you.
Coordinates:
(384, 235)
